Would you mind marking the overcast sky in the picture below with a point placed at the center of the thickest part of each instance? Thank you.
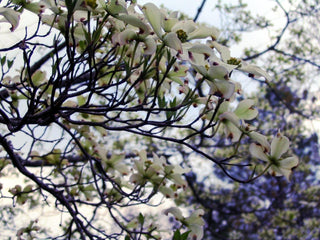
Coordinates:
(189, 7)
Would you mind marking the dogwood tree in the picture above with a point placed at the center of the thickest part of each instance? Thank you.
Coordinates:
(272, 208)
(109, 99)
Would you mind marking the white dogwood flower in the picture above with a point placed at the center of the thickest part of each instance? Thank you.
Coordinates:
(279, 166)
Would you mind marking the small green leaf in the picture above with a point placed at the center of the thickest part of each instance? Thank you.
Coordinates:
(3, 59)
(185, 235)
(127, 238)
(10, 63)
(141, 219)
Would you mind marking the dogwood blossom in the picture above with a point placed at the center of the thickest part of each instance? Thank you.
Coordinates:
(279, 165)
(194, 222)
(234, 121)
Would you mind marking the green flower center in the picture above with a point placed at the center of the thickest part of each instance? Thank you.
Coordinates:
(234, 61)
(274, 161)
(91, 3)
(182, 35)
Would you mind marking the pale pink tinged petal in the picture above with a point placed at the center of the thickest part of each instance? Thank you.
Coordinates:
(289, 162)
(279, 145)
(257, 151)
(172, 41)
(245, 110)
(153, 14)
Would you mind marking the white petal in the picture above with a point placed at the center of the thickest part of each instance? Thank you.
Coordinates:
(230, 116)
(222, 88)
(204, 32)
(153, 14)
(289, 162)
(185, 25)
(257, 151)
(201, 49)
(245, 110)
(254, 70)
(260, 139)
(218, 72)
(150, 46)
(134, 21)
(279, 145)
(11, 16)
(232, 131)
(176, 212)
(223, 50)
(172, 41)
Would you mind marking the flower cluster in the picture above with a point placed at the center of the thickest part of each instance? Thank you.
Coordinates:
(164, 177)
(273, 155)
(139, 59)
(194, 222)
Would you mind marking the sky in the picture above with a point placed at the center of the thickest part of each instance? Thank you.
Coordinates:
(189, 7)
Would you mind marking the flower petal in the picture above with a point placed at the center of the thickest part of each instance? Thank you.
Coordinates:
(150, 46)
(222, 88)
(279, 145)
(134, 21)
(172, 41)
(261, 139)
(257, 151)
(11, 16)
(223, 50)
(289, 162)
(218, 72)
(245, 110)
(153, 14)
(176, 212)
(201, 49)
(254, 71)
(230, 116)
(204, 32)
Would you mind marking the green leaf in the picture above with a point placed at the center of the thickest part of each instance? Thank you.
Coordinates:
(10, 63)
(185, 235)
(3, 59)
(178, 236)
(141, 219)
